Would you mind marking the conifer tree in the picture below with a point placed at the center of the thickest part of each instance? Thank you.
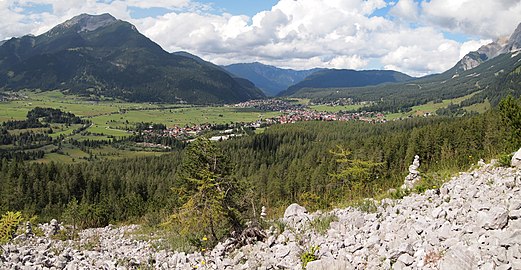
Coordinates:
(353, 174)
(210, 195)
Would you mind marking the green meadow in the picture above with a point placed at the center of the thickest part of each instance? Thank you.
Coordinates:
(432, 107)
(112, 118)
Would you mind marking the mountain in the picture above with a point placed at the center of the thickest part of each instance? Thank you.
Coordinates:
(100, 55)
(270, 79)
(491, 81)
(331, 78)
(489, 51)
(491, 73)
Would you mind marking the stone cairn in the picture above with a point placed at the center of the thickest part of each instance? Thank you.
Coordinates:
(263, 213)
(28, 229)
(414, 174)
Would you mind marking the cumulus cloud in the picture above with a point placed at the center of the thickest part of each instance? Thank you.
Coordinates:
(484, 18)
(298, 34)
(406, 10)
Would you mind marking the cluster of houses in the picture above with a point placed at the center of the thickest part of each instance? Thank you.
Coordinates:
(182, 133)
(309, 115)
(272, 105)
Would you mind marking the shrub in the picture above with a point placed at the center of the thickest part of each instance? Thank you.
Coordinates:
(309, 256)
(8, 225)
(504, 160)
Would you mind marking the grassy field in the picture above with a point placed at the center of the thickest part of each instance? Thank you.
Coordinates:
(430, 107)
(479, 107)
(17, 109)
(115, 124)
(111, 118)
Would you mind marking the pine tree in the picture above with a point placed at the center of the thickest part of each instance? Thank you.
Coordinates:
(210, 194)
(353, 174)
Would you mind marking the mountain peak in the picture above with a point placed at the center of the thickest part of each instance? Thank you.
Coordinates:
(84, 23)
(514, 42)
(486, 52)
(100, 55)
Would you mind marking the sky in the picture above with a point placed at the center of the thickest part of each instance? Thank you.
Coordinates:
(417, 37)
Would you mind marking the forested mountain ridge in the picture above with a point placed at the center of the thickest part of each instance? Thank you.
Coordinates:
(100, 55)
(346, 78)
(491, 81)
(272, 80)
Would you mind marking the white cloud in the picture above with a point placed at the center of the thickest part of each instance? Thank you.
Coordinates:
(406, 9)
(484, 18)
(170, 4)
(419, 51)
(472, 45)
(298, 34)
(351, 62)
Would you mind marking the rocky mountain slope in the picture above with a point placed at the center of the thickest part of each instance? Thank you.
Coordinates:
(100, 55)
(471, 222)
(489, 51)
(270, 79)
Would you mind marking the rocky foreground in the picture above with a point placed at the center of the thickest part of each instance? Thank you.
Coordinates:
(471, 222)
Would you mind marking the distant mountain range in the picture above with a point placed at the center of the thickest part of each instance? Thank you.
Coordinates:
(271, 80)
(100, 55)
(490, 73)
(332, 78)
(275, 81)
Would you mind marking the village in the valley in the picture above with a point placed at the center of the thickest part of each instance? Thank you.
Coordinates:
(289, 113)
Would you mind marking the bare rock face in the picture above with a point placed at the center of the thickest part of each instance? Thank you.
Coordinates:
(514, 42)
(491, 50)
(516, 159)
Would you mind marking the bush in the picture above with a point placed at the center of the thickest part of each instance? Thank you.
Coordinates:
(309, 256)
(8, 225)
(397, 194)
(432, 180)
(504, 160)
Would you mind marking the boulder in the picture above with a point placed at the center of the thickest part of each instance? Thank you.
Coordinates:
(494, 219)
(516, 159)
(458, 257)
(296, 216)
(329, 264)
(406, 259)
(295, 210)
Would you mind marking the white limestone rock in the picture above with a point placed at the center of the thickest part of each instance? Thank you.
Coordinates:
(516, 159)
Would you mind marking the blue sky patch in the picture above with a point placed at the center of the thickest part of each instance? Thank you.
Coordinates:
(242, 7)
